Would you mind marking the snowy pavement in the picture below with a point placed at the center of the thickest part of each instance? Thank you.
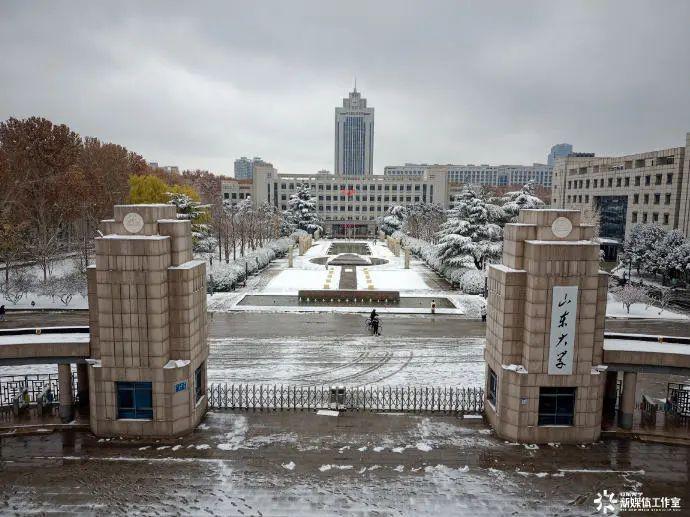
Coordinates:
(299, 463)
(349, 360)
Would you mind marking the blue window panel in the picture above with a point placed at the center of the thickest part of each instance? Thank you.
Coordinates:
(134, 400)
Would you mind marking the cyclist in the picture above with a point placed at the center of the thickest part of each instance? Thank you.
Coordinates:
(374, 322)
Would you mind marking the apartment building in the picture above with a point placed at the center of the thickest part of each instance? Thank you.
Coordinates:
(646, 188)
(244, 167)
(350, 205)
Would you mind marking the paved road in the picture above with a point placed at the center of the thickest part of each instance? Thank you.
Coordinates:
(330, 324)
(302, 464)
(264, 325)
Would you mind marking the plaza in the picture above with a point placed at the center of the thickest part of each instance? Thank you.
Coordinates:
(433, 461)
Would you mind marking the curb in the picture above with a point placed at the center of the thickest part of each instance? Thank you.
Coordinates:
(33, 429)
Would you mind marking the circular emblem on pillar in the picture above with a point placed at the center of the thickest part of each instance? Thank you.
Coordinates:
(133, 222)
(562, 227)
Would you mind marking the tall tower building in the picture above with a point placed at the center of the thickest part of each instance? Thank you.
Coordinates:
(354, 136)
(557, 151)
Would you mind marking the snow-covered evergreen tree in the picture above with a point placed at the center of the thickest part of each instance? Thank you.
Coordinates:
(302, 213)
(679, 260)
(190, 210)
(640, 246)
(661, 253)
(469, 236)
(393, 220)
(513, 202)
(187, 208)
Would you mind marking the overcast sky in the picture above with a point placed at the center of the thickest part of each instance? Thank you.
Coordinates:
(198, 84)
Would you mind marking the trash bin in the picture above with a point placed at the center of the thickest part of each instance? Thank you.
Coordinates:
(337, 398)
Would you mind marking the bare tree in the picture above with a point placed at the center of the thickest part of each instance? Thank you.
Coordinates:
(632, 294)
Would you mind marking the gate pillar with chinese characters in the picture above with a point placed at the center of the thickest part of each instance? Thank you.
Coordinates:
(147, 317)
(545, 331)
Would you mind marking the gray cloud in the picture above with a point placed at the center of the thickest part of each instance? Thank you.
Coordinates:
(198, 84)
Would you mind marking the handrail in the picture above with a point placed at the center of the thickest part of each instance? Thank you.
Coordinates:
(45, 330)
(648, 337)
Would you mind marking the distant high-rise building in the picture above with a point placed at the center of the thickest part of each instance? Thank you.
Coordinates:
(244, 167)
(354, 136)
(558, 151)
(173, 169)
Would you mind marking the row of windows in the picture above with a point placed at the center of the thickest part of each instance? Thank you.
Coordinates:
(226, 195)
(351, 187)
(620, 182)
(580, 198)
(627, 165)
(657, 199)
(500, 177)
(349, 208)
(408, 199)
(645, 218)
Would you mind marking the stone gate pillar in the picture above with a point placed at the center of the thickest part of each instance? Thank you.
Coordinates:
(545, 329)
(147, 302)
(65, 395)
(627, 407)
(83, 384)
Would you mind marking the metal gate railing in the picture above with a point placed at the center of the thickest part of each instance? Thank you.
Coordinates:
(364, 398)
(12, 385)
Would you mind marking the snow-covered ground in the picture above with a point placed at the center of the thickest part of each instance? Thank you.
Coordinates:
(615, 309)
(57, 268)
(305, 274)
(46, 302)
(290, 280)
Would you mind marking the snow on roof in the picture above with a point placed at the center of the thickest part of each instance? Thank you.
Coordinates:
(503, 267)
(115, 236)
(188, 265)
(570, 243)
(44, 339)
(146, 205)
(607, 240)
(43, 329)
(177, 363)
(631, 345)
(514, 368)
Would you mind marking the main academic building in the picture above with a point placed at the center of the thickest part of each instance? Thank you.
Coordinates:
(350, 200)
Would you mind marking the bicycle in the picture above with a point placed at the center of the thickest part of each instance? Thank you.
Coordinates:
(369, 325)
